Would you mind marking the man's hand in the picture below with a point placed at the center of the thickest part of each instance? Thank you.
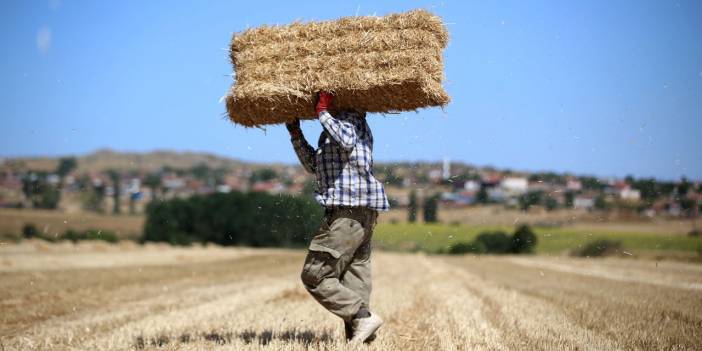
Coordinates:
(294, 127)
(324, 102)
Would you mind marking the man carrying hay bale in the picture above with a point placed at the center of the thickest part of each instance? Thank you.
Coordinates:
(372, 64)
(337, 270)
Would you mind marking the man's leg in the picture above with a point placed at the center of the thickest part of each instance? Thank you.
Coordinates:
(358, 278)
(330, 253)
(358, 273)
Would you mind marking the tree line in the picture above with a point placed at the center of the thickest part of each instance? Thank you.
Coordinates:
(248, 219)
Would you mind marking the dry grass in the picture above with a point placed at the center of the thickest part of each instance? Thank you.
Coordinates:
(372, 64)
(244, 299)
(53, 223)
(574, 219)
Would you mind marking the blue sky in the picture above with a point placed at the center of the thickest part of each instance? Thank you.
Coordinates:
(608, 88)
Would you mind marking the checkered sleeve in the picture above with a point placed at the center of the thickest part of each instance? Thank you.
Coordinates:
(344, 132)
(305, 153)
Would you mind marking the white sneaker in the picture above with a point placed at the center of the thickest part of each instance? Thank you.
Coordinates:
(348, 330)
(363, 328)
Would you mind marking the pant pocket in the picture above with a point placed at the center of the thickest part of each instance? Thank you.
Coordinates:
(318, 266)
(319, 248)
(342, 238)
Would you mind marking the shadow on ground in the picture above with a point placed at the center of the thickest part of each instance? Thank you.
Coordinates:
(304, 337)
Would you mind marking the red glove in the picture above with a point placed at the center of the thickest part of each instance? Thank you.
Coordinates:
(324, 102)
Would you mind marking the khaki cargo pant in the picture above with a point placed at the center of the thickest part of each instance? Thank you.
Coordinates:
(337, 270)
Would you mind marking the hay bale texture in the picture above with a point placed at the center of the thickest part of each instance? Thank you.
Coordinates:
(374, 64)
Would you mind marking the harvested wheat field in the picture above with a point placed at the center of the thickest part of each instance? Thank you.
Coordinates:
(104, 297)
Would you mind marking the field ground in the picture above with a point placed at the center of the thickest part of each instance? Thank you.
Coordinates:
(99, 296)
(52, 223)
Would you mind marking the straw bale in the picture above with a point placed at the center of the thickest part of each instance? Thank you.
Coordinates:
(372, 64)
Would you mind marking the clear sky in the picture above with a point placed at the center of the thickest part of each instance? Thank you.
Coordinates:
(608, 88)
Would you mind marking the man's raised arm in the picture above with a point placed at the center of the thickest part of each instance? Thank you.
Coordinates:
(305, 152)
(344, 132)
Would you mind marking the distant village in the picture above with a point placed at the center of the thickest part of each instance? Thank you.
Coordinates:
(63, 184)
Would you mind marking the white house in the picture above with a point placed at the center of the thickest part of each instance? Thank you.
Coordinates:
(628, 193)
(514, 186)
(471, 185)
(574, 184)
(583, 202)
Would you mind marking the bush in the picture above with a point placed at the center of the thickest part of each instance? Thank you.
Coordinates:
(551, 204)
(250, 219)
(29, 231)
(474, 247)
(104, 235)
(695, 233)
(91, 234)
(494, 242)
(71, 235)
(523, 240)
(601, 247)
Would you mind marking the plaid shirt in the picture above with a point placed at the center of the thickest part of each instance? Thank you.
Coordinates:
(342, 163)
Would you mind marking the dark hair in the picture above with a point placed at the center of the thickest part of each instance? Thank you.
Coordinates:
(358, 112)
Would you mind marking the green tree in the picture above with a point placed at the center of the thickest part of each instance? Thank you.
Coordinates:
(39, 192)
(548, 177)
(482, 196)
(530, 199)
(591, 183)
(648, 188)
(66, 165)
(412, 207)
(431, 209)
(629, 179)
(234, 218)
(115, 177)
(683, 187)
(153, 182)
(687, 206)
(569, 199)
(263, 175)
(601, 202)
(200, 171)
(92, 195)
(550, 203)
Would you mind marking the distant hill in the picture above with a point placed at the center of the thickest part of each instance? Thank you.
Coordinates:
(105, 159)
(109, 159)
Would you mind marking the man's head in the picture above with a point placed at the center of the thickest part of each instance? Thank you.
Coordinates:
(324, 101)
(348, 113)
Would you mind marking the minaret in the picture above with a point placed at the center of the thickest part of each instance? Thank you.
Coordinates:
(447, 168)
